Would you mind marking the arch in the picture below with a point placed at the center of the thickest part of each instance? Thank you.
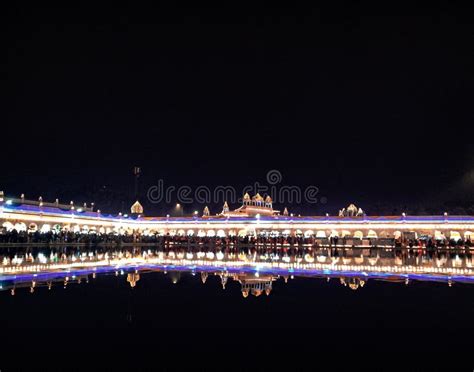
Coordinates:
(57, 228)
(8, 226)
(85, 229)
(20, 226)
(438, 235)
(358, 234)
(161, 232)
(308, 258)
(221, 233)
(286, 232)
(397, 234)
(32, 228)
(455, 235)
(469, 235)
(334, 234)
(45, 228)
(232, 233)
(372, 234)
(321, 234)
(172, 232)
(242, 232)
(102, 230)
(210, 255)
(147, 232)
(211, 233)
(308, 233)
(201, 233)
(181, 232)
(345, 233)
(298, 232)
(190, 232)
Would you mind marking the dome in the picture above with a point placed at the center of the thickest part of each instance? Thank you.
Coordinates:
(246, 196)
(136, 208)
(352, 207)
(268, 199)
(257, 197)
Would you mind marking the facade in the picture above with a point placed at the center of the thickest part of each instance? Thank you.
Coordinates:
(255, 217)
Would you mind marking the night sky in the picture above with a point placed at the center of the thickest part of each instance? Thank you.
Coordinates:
(373, 106)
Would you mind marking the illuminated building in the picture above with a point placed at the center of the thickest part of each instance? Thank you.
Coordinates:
(256, 216)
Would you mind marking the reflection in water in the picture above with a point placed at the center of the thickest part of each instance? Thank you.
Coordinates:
(255, 269)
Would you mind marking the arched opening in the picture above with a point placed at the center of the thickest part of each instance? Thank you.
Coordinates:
(358, 235)
(211, 233)
(8, 226)
(468, 235)
(455, 235)
(372, 234)
(201, 233)
(46, 228)
(286, 233)
(334, 234)
(299, 232)
(242, 233)
(32, 228)
(190, 232)
(397, 234)
(221, 233)
(181, 232)
(321, 234)
(438, 235)
(20, 227)
(308, 233)
(232, 233)
(345, 233)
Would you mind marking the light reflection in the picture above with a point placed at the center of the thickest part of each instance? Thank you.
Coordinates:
(254, 269)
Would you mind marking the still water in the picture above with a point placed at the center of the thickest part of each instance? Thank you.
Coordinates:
(368, 296)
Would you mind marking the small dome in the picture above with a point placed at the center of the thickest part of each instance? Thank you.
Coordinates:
(258, 197)
(352, 207)
(246, 196)
(136, 208)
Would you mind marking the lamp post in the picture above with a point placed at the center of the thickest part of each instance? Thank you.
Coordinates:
(179, 210)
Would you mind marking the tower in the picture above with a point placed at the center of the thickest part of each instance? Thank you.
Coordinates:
(136, 208)
(225, 208)
(136, 172)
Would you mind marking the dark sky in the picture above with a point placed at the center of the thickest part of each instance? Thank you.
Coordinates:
(370, 105)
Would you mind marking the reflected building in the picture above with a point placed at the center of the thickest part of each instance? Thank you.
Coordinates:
(256, 270)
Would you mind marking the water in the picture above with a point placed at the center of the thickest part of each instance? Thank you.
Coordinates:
(397, 298)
